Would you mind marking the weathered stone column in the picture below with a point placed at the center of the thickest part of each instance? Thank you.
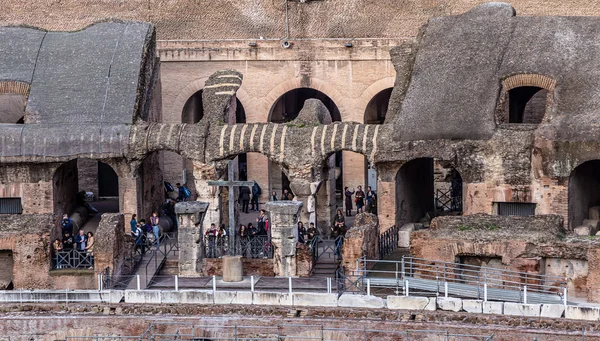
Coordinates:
(208, 194)
(190, 215)
(284, 235)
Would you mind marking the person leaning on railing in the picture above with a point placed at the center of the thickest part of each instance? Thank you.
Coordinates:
(57, 246)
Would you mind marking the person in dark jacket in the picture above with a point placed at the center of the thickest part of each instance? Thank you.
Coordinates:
(256, 191)
(348, 200)
(245, 198)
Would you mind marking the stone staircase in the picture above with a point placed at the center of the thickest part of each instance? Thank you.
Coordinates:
(326, 264)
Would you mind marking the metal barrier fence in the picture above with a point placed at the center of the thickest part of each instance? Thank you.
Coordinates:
(73, 259)
(388, 242)
(422, 276)
(249, 247)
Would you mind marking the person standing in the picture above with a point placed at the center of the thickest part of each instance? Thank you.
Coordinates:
(90, 248)
(348, 201)
(58, 247)
(154, 221)
(360, 200)
(133, 224)
(245, 198)
(68, 247)
(286, 195)
(211, 235)
(67, 224)
(140, 240)
(80, 240)
(339, 221)
(256, 192)
(371, 200)
(301, 233)
(273, 196)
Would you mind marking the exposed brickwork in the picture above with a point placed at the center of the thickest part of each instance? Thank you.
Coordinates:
(252, 267)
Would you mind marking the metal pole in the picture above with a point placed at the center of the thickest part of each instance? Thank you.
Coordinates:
(446, 289)
(406, 288)
(485, 292)
(100, 282)
(176, 283)
(565, 296)
(368, 287)
(290, 284)
(525, 294)
(214, 283)
(252, 284)
(403, 268)
(138, 282)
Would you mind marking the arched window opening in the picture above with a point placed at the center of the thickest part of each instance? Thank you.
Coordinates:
(286, 109)
(426, 188)
(288, 106)
(527, 104)
(84, 189)
(377, 107)
(584, 193)
(12, 108)
(193, 110)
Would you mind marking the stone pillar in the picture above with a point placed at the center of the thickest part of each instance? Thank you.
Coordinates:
(190, 215)
(233, 270)
(207, 194)
(386, 194)
(284, 235)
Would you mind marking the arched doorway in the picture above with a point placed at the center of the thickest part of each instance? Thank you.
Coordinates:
(361, 172)
(286, 109)
(584, 192)
(426, 188)
(84, 189)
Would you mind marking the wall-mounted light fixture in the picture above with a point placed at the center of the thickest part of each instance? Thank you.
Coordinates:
(252, 44)
(348, 44)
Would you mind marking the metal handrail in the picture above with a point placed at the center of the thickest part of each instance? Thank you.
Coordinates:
(463, 278)
(163, 241)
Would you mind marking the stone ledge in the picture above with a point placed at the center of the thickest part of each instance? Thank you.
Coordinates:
(360, 301)
(411, 303)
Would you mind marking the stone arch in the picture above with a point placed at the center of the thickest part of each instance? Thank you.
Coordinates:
(426, 186)
(195, 86)
(13, 99)
(295, 83)
(525, 98)
(584, 192)
(85, 175)
(369, 93)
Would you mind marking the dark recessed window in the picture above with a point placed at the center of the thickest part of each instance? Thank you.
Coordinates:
(10, 206)
(524, 209)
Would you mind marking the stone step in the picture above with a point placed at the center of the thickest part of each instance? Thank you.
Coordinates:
(331, 266)
(327, 272)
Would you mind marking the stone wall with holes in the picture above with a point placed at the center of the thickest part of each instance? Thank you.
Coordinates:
(32, 183)
(112, 245)
(251, 266)
(47, 322)
(536, 245)
(27, 239)
(361, 240)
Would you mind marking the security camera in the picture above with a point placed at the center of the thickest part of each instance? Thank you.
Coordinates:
(286, 44)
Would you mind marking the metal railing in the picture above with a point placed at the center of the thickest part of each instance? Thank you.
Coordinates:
(422, 276)
(73, 259)
(158, 254)
(388, 242)
(248, 247)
